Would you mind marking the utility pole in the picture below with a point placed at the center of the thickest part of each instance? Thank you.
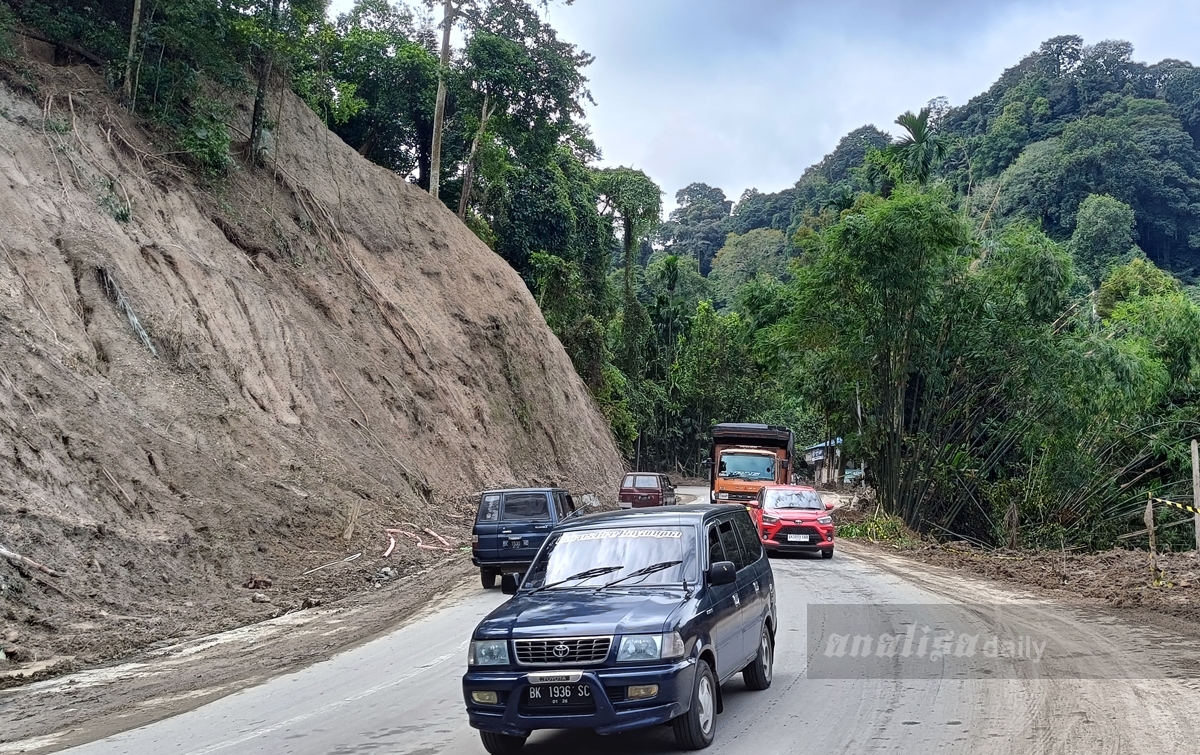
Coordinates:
(1196, 489)
(439, 108)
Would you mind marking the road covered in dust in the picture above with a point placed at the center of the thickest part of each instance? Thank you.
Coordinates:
(1098, 685)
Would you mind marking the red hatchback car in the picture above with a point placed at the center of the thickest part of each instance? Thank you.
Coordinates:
(646, 489)
(793, 519)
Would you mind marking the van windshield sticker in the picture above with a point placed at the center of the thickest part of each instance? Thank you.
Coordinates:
(571, 537)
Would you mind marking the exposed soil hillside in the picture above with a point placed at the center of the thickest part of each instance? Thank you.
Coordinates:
(208, 384)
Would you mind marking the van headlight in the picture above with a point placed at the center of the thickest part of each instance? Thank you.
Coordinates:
(650, 647)
(488, 653)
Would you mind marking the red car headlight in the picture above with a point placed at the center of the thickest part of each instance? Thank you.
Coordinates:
(770, 519)
(825, 520)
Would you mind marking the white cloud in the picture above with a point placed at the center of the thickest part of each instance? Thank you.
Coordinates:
(748, 93)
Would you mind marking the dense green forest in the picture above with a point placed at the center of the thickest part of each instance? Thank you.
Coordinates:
(993, 309)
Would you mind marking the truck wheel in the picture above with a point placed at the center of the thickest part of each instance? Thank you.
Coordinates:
(488, 578)
(696, 729)
(501, 744)
(758, 674)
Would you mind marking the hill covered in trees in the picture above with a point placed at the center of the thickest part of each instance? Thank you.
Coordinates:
(994, 309)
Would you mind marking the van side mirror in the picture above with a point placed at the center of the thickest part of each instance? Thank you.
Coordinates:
(509, 583)
(722, 573)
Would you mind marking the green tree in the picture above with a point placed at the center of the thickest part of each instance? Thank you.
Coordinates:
(391, 71)
(275, 28)
(1137, 279)
(698, 225)
(1103, 236)
(526, 85)
(920, 150)
(746, 257)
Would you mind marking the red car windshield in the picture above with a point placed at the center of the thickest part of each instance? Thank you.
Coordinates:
(794, 499)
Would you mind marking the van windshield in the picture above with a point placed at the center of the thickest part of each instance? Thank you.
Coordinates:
(747, 466)
(627, 548)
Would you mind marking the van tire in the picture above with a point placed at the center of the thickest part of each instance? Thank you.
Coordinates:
(501, 744)
(758, 674)
(697, 728)
(487, 578)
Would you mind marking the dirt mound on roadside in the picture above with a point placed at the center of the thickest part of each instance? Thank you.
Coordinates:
(1119, 578)
(211, 386)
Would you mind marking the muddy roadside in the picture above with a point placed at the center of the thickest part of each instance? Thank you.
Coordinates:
(1116, 581)
(174, 677)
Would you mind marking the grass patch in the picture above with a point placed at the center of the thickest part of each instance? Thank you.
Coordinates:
(880, 528)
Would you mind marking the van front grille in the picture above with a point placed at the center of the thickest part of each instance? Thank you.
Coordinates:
(562, 651)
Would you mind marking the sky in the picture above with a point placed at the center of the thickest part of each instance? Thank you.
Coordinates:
(746, 94)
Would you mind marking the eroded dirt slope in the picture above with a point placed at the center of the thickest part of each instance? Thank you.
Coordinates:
(205, 383)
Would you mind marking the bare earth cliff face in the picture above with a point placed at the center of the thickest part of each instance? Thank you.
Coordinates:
(204, 384)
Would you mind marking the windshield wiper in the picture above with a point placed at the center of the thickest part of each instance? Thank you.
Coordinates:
(585, 574)
(644, 571)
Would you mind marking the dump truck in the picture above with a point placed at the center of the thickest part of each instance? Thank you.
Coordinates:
(745, 457)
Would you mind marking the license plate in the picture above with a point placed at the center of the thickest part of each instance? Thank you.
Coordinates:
(797, 538)
(559, 696)
(516, 543)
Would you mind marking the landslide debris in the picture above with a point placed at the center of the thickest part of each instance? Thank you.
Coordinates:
(209, 388)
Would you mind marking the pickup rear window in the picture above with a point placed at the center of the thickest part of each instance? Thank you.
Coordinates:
(489, 508)
(526, 506)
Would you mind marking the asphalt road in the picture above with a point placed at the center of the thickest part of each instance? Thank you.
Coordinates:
(400, 693)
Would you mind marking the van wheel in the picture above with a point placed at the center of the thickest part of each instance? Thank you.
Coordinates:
(758, 674)
(488, 578)
(501, 744)
(697, 728)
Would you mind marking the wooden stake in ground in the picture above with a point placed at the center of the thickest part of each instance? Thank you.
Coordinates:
(1196, 489)
(1155, 575)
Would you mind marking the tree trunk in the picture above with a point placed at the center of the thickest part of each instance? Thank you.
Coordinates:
(368, 145)
(469, 174)
(260, 95)
(439, 109)
(133, 33)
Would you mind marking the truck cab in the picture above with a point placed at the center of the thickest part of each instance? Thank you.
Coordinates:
(747, 457)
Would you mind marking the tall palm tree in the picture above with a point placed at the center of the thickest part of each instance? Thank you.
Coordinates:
(920, 150)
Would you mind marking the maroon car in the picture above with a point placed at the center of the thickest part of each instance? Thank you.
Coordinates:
(646, 489)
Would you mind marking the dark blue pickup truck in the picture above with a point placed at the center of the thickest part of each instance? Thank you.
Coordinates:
(626, 619)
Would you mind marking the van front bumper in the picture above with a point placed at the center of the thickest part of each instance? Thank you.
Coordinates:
(608, 686)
